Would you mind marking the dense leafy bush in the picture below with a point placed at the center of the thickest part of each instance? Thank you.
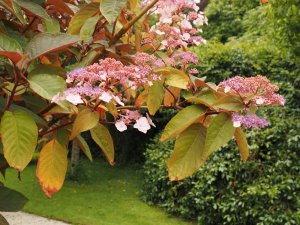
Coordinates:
(226, 18)
(265, 190)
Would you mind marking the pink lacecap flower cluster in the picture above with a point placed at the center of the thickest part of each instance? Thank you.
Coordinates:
(99, 80)
(178, 23)
(249, 121)
(258, 89)
(129, 117)
(182, 59)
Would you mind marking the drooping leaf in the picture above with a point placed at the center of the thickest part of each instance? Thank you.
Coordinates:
(182, 120)
(85, 120)
(111, 9)
(60, 6)
(19, 137)
(242, 143)
(232, 103)
(10, 48)
(88, 28)
(188, 153)
(141, 99)
(155, 97)
(44, 43)
(81, 17)
(33, 8)
(11, 200)
(52, 167)
(84, 147)
(47, 85)
(102, 137)
(219, 132)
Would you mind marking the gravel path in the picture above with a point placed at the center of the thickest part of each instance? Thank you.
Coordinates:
(21, 218)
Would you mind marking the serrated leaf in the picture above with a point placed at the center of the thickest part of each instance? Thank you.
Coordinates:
(102, 137)
(219, 132)
(19, 137)
(33, 8)
(155, 97)
(84, 147)
(11, 200)
(242, 143)
(231, 103)
(111, 9)
(47, 85)
(52, 167)
(44, 43)
(182, 120)
(85, 120)
(88, 28)
(82, 16)
(188, 153)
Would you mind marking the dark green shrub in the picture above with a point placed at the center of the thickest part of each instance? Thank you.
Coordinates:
(265, 190)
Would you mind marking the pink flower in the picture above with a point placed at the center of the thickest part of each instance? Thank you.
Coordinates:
(142, 125)
(248, 121)
(121, 126)
(259, 89)
(74, 98)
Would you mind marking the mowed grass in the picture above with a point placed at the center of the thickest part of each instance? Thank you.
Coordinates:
(102, 195)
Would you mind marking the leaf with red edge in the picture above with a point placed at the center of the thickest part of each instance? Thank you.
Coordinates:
(52, 167)
(10, 48)
(60, 6)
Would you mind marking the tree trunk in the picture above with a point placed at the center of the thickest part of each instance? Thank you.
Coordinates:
(203, 4)
(74, 158)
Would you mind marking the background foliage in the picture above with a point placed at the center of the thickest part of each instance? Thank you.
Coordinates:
(263, 190)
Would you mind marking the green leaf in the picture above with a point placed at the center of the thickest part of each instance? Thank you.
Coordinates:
(62, 136)
(10, 48)
(183, 120)
(102, 137)
(14, 108)
(84, 147)
(188, 153)
(206, 97)
(231, 103)
(49, 69)
(44, 43)
(85, 120)
(82, 16)
(88, 28)
(33, 8)
(219, 132)
(242, 143)
(52, 167)
(51, 26)
(177, 78)
(155, 97)
(21, 89)
(111, 9)
(11, 200)
(19, 137)
(47, 85)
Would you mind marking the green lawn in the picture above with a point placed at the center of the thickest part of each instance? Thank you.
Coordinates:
(101, 195)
